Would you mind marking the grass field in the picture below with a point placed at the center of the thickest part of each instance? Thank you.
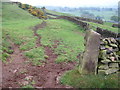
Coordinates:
(105, 14)
(106, 25)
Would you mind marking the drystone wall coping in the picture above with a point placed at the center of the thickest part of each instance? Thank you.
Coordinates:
(105, 33)
(90, 20)
(116, 25)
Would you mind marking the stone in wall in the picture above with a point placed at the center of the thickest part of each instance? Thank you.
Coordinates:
(90, 20)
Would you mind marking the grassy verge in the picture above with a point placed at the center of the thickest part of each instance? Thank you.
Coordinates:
(74, 79)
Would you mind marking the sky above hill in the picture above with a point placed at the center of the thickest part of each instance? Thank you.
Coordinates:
(72, 3)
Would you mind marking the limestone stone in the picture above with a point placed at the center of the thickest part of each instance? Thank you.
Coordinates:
(113, 65)
(103, 66)
(109, 51)
(106, 61)
(113, 45)
(102, 72)
(108, 40)
(102, 43)
(102, 47)
(118, 53)
(115, 50)
(111, 70)
(103, 54)
(106, 46)
(105, 42)
(112, 58)
(113, 40)
(90, 56)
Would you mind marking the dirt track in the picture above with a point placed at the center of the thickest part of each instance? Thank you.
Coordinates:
(20, 71)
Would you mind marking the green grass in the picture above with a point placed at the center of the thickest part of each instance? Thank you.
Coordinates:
(68, 34)
(13, 12)
(75, 79)
(27, 87)
(36, 55)
(104, 26)
(108, 23)
(17, 27)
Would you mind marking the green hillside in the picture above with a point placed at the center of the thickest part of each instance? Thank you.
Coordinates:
(13, 12)
(16, 28)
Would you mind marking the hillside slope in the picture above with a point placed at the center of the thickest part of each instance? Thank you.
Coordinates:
(13, 12)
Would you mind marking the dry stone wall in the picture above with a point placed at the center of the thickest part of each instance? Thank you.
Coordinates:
(52, 14)
(116, 25)
(90, 20)
(105, 33)
(109, 56)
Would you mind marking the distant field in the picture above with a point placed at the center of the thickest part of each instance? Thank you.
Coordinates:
(56, 13)
(105, 14)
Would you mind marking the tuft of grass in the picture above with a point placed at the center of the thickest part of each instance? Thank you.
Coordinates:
(29, 87)
(75, 79)
(36, 55)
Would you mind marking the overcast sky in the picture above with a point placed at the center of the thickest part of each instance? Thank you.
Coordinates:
(71, 3)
